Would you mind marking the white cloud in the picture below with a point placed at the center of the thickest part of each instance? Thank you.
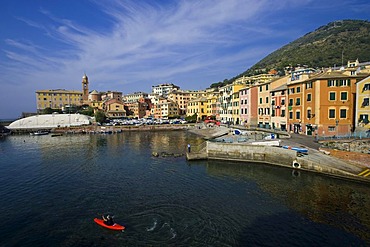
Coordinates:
(145, 42)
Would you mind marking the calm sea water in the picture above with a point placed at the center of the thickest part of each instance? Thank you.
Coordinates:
(53, 187)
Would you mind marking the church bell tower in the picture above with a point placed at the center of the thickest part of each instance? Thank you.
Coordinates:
(85, 88)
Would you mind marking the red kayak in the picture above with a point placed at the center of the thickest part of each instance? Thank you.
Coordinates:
(115, 226)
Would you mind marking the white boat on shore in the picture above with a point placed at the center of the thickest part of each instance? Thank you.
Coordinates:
(274, 143)
(39, 133)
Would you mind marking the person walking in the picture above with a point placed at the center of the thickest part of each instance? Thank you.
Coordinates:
(189, 148)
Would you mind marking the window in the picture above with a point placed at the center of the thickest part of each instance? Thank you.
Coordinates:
(343, 113)
(298, 115)
(331, 113)
(366, 87)
(332, 96)
(292, 90)
(267, 87)
(364, 118)
(260, 100)
(309, 85)
(273, 102)
(267, 111)
(331, 83)
(283, 102)
(290, 115)
(298, 89)
(290, 102)
(344, 82)
(267, 99)
(273, 94)
(260, 88)
(365, 102)
(298, 101)
(308, 97)
(309, 113)
(343, 96)
(282, 113)
(331, 128)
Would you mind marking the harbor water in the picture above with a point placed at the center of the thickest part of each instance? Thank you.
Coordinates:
(52, 188)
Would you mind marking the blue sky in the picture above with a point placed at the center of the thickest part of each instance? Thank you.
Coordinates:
(129, 46)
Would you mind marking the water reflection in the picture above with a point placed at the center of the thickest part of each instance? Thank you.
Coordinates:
(167, 201)
(339, 203)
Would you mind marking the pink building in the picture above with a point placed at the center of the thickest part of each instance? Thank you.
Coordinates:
(248, 106)
(278, 107)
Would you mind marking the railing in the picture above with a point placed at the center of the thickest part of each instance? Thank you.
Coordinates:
(355, 135)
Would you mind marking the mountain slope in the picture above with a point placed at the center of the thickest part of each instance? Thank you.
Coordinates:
(329, 45)
(326, 46)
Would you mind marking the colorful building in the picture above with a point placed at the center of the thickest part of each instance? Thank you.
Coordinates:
(362, 104)
(197, 106)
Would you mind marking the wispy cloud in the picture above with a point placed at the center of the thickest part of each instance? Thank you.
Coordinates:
(144, 42)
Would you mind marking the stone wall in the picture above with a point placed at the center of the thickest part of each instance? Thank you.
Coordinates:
(360, 146)
(251, 153)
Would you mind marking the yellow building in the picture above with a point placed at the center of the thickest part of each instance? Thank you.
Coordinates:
(362, 104)
(197, 106)
(212, 98)
(235, 102)
(57, 99)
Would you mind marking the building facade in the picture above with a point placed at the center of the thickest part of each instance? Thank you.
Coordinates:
(164, 89)
(57, 99)
(362, 104)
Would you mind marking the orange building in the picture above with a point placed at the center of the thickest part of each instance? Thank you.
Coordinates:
(334, 105)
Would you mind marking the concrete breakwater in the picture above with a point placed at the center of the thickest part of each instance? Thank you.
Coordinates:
(314, 161)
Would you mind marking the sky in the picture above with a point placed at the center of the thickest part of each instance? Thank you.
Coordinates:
(132, 45)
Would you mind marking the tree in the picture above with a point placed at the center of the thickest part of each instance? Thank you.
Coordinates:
(49, 110)
(100, 117)
(191, 119)
(88, 111)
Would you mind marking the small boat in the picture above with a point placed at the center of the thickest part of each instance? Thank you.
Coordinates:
(56, 134)
(115, 226)
(299, 150)
(39, 133)
(238, 132)
(273, 143)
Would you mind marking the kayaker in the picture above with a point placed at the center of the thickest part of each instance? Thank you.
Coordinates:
(108, 220)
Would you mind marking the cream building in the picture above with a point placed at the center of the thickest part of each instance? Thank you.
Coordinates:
(362, 103)
(134, 97)
(181, 98)
(164, 89)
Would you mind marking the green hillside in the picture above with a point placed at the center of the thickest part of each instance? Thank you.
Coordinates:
(327, 46)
